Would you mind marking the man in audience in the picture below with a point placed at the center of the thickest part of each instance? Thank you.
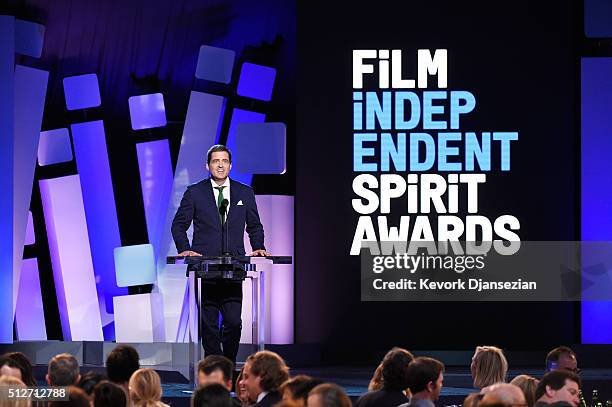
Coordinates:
(503, 393)
(328, 395)
(215, 369)
(394, 381)
(425, 377)
(264, 372)
(297, 388)
(562, 358)
(121, 363)
(211, 395)
(63, 371)
(560, 387)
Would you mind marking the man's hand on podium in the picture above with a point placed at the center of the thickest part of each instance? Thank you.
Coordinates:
(260, 252)
(189, 253)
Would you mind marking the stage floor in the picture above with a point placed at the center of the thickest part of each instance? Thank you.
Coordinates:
(457, 381)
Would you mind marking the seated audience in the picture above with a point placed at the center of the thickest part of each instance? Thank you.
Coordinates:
(425, 377)
(9, 367)
(211, 395)
(394, 381)
(489, 366)
(63, 370)
(25, 366)
(76, 398)
(297, 388)
(89, 380)
(121, 364)
(12, 381)
(328, 395)
(559, 387)
(215, 369)
(528, 385)
(108, 394)
(562, 358)
(264, 372)
(145, 389)
(503, 393)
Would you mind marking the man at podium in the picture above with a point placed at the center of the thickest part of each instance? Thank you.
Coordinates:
(212, 204)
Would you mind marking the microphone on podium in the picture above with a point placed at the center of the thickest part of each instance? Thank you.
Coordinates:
(223, 213)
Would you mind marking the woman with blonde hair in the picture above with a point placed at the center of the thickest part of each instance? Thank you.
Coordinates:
(489, 366)
(528, 385)
(12, 382)
(145, 389)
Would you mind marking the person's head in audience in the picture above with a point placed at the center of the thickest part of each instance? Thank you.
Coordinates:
(472, 400)
(489, 366)
(211, 395)
(503, 393)
(145, 388)
(215, 369)
(297, 388)
(528, 386)
(328, 395)
(13, 382)
(395, 368)
(9, 367)
(562, 358)
(264, 371)
(121, 363)
(559, 386)
(63, 370)
(76, 398)
(376, 381)
(241, 390)
(25, 366)
(108, 394)
(425, 377)
(89, 380)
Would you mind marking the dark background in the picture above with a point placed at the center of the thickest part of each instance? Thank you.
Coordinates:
(520, 59)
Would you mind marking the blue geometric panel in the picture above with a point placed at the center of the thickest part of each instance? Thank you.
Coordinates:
(241, 116)
(597, 17)
(54, 147)
(215, 64)
(82, 91)
(147, 111)
(29, 38)
(30, 238)
(135, 265)
(256, 81)
(260, 148)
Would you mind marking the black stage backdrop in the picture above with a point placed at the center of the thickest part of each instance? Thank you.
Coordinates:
(520, 60)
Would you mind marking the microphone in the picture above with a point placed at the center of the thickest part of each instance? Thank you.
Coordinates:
(223, 208)
(224, 232)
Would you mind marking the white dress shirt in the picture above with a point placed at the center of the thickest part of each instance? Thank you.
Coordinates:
(226, 193)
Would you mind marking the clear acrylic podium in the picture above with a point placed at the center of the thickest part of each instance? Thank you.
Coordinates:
(230, 268)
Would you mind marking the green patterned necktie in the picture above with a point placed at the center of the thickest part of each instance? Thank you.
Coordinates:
(219, 200)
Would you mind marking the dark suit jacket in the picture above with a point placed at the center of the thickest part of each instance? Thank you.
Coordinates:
(382, 398)
(199, 206)
(270, 400)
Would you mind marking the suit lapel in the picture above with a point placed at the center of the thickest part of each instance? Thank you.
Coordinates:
(210, 198)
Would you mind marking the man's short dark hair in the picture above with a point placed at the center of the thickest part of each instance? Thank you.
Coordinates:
(421, 371)
(555, 354)
(76, 398)
(109, 394)
(211, 395)
(217, 148)
(63, 370)
(394, 369)
(121, 363)
(555, 380)
(300, 386)
(89, 380)
(213, 362)
(270, 368)
(332, 395)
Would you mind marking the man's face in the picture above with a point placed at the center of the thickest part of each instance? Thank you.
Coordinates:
(219, 165)
(251, 382)
(216, 376)
(568, 393)
(435, 394)
(568, 362)
(314, 400)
